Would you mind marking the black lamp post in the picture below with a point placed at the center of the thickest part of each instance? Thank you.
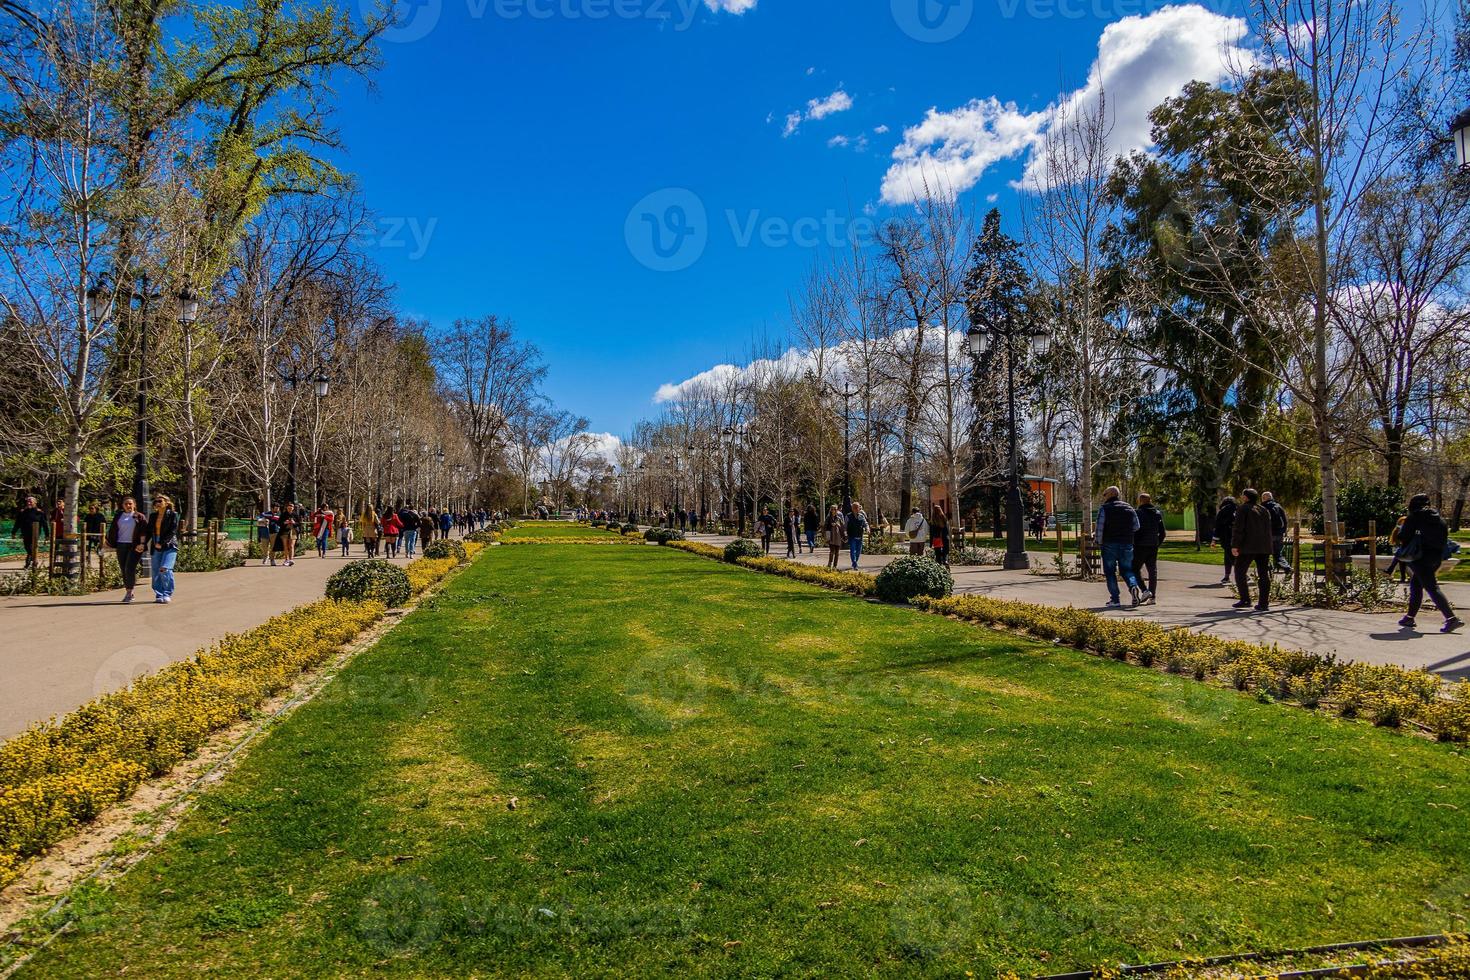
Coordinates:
(1004, 334)
(101, 301)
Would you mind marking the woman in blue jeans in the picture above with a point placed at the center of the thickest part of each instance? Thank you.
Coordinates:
(163, 545)
(857, 527)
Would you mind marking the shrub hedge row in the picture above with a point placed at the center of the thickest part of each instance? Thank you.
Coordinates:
(858, 583)
(57, 775)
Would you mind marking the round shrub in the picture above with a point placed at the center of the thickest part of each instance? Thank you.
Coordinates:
(651, 534)
(670, 534)
(444, 548)
(598, 522)
(742, 548)
(630, 528)
(908, 577)
(481, 537)
(372, 579)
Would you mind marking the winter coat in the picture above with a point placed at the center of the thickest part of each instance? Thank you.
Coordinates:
(1116, 523)
(857, 524)
(917, 529)
(1433, 534)
(1224, 520)
(1278, 518)
(1150, 533)
(836, 531)
(1251, 530)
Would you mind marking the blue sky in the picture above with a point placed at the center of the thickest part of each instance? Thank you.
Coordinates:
(505, 153)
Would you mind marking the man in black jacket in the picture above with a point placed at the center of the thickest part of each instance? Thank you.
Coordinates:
(1250, 543)
(1278, 530)
(1146, 541)
(30, 524)
(1423, 539)
(1117, 523)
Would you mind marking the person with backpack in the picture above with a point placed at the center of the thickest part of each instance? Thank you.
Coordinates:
(916, 531)
(1425, 546)
(1250, 544)
(1146, 541)
(1117, 524)
(1278, 530)
(1224, 522)
(810, 522)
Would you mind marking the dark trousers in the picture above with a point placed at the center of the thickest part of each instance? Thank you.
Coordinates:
(128, 557)
(1146, 558)
(1423, 577)
(1230, 560)
(1263, 573)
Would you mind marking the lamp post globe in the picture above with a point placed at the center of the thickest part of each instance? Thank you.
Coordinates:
(1460, 134)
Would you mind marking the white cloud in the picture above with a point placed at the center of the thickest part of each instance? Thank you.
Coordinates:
(730, 6)
(838, 140)
(1141, 61)
(838, 101)
(880, 130)
(811, 71)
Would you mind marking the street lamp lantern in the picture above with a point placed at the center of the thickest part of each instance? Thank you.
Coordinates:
(440, 455)
(188, 306)
(323, 384)
(975, 337)
(99, 303)
(1460, 133)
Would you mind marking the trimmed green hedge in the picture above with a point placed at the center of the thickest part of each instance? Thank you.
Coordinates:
(374, 579)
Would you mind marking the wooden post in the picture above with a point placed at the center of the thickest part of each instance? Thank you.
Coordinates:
(1296, 556)
(1373, 553)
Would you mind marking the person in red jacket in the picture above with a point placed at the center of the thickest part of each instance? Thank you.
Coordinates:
(392, 528)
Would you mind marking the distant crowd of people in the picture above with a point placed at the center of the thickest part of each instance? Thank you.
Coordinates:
(131, 535)
(396, 531)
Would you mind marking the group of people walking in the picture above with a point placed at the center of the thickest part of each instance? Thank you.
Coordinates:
(1252, 533)
(397, 530)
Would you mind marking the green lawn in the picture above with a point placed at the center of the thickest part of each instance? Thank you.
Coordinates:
(631, 761)
(551, 530)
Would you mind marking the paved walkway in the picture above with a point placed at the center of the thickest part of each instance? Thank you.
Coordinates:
(59, 652)
(1193, 596)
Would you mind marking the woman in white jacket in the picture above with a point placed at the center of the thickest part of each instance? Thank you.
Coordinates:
(917, 530)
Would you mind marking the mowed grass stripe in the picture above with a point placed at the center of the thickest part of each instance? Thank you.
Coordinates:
(720, 772)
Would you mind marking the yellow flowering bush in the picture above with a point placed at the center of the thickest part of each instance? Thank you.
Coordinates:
(858, 583)
(57, 775)
(699, 548)
(424, 572)
(1388, 696)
